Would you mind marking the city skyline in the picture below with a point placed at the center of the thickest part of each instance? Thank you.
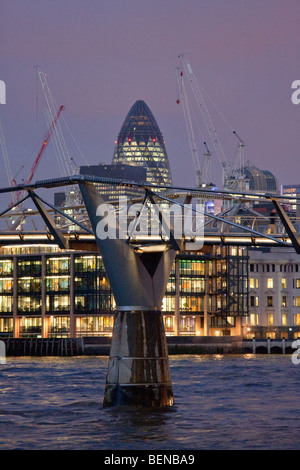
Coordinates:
(101, 57)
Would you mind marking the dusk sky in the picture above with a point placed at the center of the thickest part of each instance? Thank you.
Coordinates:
(101, 56)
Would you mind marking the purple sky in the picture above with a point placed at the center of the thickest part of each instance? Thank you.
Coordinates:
(100, 56)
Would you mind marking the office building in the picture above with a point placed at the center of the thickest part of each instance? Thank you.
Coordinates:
(292, 190)
(274, 294)
(140, 143)
(47, 292)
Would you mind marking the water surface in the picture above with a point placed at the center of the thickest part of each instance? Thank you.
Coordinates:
(221, 402)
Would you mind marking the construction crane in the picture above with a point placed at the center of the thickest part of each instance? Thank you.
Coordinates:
(20, 194)
(229, 173)
(202, 169)
(189, 127)
(207, 167)
(239, 163)
(11, 180)
(66, 163)
(47, 137)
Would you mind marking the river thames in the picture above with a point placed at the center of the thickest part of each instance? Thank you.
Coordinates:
(221, 402)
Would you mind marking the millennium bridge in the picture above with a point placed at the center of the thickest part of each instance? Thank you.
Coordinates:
(138, 371)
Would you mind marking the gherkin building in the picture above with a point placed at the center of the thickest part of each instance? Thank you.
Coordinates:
(140, 143)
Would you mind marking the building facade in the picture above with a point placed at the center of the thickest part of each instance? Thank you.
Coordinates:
(274, 294)
(140, 143)
(119, 171)
(293, 209)
(47, 292)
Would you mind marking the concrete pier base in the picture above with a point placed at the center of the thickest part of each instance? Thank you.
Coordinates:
(138, 371)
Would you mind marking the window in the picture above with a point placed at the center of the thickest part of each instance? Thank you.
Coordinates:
(6, 285)
(191, 284)
(168, 323)
(253, 301)
(6, 325)
(297, 283)
(92, 326)
(296, 301)
(58, 265)
(6, 304)
(29, 284)
(59, 283)
(283, 301)
(283, 283)
(297, 319)
(270, 319)
(270, 301)
(30, 325)
(253, 283)
(192, 267)
(191, 303)
(6, 267)
(168, 304)
(271, 334)
(29, 304)
(85, 264)
(60, 326)
(284, 319)
(57, 303)
(253, 319)
(270, 283)
(187, 324)
(29, 268)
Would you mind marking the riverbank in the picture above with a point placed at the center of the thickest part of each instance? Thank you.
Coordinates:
(100, 346)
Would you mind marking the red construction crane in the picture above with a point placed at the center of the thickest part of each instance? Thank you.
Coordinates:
(20, 194)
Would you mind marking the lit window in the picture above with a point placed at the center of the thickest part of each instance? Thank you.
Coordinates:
(283, 283)
(270, 319)
(296, 301)
(270, 283)
(284, 318)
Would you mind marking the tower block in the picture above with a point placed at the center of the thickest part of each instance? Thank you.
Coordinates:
(138, 370)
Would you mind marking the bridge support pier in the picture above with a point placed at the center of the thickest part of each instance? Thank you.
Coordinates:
(138, 370)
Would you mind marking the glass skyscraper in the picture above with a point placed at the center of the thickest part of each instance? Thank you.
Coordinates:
(140, 143)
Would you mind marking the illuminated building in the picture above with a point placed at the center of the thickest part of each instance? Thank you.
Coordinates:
(274, 294)
(292, 190)
(119, 171)
(110, 192)
(140, 143)
(47, 292)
